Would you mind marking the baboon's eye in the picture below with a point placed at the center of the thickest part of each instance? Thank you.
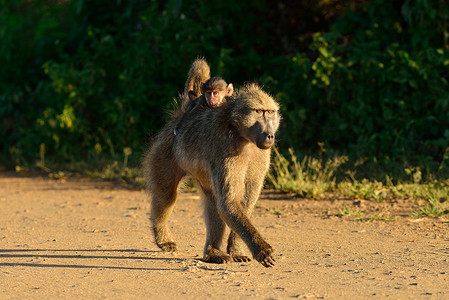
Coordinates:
(259, 111)
(270, 112)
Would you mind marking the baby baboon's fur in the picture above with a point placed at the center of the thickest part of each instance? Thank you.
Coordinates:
(214, 93)
(226, 151)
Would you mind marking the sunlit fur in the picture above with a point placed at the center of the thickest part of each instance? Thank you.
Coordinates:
(226, 150)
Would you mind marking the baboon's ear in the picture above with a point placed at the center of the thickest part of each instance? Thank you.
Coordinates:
(229, 89)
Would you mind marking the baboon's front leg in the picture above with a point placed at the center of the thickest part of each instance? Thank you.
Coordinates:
(232, 212)
(235, 218)
(215, 231)
(236, 246)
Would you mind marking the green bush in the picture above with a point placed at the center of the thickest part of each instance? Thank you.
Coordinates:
(378, 86)
(91, 78)
(84, 80)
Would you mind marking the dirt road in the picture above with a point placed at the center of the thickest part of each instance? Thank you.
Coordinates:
(84, 239)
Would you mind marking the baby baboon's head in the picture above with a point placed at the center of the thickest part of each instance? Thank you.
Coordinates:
(215, 90)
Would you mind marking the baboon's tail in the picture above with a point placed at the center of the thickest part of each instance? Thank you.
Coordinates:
(199, 73)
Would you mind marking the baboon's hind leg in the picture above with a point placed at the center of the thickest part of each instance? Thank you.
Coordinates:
(236, 248)
(215, 232)
(163, 177)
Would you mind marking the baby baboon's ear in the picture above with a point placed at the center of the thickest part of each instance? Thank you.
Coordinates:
(229, 90)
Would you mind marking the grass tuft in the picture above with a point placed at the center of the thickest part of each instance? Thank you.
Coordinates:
(314, 178)
(310, 177)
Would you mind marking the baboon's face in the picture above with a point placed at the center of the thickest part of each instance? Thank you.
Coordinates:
(258, 118)
(264, 128)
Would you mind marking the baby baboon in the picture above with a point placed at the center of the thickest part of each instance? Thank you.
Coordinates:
(213, 91)
(199, 82)
(228, 161)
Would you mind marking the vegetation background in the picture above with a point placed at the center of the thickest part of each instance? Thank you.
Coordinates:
(363, 84)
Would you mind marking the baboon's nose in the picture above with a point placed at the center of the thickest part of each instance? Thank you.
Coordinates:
(267, 142)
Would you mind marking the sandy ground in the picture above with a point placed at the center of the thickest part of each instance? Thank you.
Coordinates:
(84, 239)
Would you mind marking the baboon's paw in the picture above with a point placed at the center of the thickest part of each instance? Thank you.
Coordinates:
(168, 247)
(218, 259)
(216, 256)
(241, 258)
(265, 256)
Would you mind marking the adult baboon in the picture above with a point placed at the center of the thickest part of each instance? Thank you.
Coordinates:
(226, 151)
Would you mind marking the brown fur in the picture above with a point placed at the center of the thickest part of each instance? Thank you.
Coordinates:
(227, 152)
(201, 102)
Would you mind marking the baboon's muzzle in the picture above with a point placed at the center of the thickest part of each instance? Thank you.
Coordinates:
(267, 129)
(265, 141)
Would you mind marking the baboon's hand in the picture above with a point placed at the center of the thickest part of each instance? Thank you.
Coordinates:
(265, 256)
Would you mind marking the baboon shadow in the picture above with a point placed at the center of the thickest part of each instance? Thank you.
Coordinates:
(105, 254)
